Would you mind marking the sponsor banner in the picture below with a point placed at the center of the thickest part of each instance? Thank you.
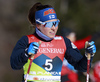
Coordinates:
(51, 50)
(45, 73)
(43, 78)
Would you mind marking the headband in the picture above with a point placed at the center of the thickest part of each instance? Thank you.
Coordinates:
(45, 14)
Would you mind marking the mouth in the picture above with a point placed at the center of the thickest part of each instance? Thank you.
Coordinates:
(52, 33)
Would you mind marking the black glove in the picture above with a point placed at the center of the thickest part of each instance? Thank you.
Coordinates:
(91, 48)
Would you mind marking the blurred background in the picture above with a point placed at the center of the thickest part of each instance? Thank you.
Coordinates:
(82, 16)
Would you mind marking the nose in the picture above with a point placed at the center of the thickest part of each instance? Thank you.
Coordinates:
(53, 27)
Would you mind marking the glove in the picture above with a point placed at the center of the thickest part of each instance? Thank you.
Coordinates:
(33, 48)
(91, 48)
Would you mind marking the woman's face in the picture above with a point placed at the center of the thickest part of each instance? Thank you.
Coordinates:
(50, 32)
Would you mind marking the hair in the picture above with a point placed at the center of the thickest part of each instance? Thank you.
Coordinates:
(34, 8)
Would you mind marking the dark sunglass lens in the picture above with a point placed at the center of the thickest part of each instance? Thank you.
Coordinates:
(44, 24)
(54, 23)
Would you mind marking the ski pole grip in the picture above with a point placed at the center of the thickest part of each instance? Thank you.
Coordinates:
(88, 54)
(32, 55)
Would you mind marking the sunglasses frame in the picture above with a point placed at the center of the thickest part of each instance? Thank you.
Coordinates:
(44, 23)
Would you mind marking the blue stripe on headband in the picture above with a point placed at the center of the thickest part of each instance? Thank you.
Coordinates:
(45, 14)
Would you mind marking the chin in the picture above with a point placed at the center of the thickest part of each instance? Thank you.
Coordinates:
(51, 37)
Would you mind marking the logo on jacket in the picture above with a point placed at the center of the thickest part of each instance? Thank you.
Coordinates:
(57, 38)
(47, 45)
(73, 46)
(32, 37)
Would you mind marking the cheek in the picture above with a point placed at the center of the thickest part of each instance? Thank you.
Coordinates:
(45, 30)
(56, 28)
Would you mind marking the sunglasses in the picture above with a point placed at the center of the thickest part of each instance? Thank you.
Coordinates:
(49, 24)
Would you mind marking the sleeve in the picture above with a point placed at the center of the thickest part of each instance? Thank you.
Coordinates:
(18, 57)
(74, 56)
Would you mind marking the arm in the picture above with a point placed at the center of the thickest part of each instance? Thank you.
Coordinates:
(18, 57)
(74, 57)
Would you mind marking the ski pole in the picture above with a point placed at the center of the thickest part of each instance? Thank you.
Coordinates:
(88, 61)
(31, 59)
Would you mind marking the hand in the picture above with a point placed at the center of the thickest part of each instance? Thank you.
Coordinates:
(91, 48)
(33, 48)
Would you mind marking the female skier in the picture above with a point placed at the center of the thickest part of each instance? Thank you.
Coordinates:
(49, 54)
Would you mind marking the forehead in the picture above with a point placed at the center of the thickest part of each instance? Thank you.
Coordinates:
(51, 20)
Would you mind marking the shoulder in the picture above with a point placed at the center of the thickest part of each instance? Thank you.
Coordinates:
(23, 39)
(67, 41)
(58, 37)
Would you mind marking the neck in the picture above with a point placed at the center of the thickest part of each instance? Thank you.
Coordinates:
(40, 34)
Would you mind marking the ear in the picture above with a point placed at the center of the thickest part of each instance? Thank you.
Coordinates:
(38, 26)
